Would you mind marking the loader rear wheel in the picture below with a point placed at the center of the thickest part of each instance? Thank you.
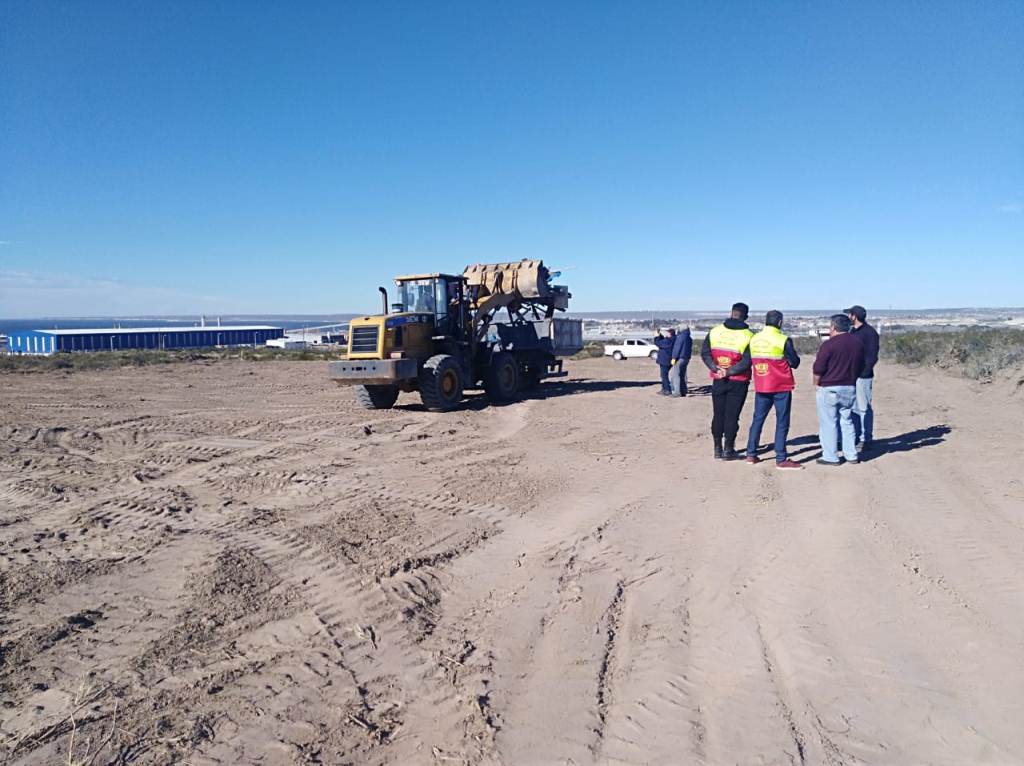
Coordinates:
(441, 383)
(502, 378)
(377, 397)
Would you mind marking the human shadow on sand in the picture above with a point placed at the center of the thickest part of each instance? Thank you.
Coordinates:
(922, 437)
(911, 440)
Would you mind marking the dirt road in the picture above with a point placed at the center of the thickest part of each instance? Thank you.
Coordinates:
(230, 563)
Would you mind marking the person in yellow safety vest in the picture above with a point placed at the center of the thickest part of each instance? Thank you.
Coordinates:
(773, 359)
(726, 354)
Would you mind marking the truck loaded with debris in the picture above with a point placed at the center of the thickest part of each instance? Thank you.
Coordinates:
(443, 335)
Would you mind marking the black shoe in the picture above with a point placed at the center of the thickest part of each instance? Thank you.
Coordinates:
(718, 448)
(821, 461)
(730, 453)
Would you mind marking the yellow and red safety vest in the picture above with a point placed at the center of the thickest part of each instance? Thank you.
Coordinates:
(772, 374)
(727, 347)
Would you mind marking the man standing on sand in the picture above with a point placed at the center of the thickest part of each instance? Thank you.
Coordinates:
(664, 342)
(726, 353)
(839, 363)
(863, 411)
(773, 359)
(681, 350)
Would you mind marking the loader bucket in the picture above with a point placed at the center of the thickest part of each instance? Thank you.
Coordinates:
(523, 280)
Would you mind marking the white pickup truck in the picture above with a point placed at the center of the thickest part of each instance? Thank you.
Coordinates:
(631, 348)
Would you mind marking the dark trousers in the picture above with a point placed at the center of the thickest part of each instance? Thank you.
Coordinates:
(665, 384)
(727, 398)
(763, 404)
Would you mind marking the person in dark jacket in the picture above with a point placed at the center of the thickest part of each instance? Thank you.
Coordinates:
(863, 411)
(839, 363)
(664, 343)
(726, 354)
(681, 351)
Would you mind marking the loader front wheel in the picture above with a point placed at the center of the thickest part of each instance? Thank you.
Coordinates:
(502, 379)
(376, 397)
(441, 383)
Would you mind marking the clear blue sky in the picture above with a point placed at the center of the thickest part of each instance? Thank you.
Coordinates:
(289, 157)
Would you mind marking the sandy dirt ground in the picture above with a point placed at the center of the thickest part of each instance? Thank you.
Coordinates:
(230, 563)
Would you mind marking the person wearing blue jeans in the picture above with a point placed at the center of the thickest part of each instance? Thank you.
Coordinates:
(864, 411)
(681, 351)
(773, 359)
(839, 363)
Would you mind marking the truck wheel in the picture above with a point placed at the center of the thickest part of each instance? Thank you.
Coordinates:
(653, 356)
(376, 397)
(441, 383)
(617, 356)
(502, 378)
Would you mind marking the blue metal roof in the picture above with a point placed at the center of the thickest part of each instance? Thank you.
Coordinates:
(123, 330)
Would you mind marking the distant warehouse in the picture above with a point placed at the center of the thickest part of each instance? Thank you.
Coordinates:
(115, 339)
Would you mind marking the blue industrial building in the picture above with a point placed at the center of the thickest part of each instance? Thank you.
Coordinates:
(114, 339)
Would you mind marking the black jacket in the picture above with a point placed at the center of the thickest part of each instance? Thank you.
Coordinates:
(868, 337)
(742, 365)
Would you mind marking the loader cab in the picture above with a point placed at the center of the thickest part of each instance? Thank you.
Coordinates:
(442, 295)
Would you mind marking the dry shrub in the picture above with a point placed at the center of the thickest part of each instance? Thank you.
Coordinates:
(106, 360)
(978, 353)
(590, 350)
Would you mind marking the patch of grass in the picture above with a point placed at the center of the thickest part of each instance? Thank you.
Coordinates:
(978, 353)
(106, 360)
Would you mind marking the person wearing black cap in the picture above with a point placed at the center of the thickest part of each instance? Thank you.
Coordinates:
(726, 353)
(837, 366)
(863, 411)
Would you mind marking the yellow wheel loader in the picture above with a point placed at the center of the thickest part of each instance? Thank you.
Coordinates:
(493, 326)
